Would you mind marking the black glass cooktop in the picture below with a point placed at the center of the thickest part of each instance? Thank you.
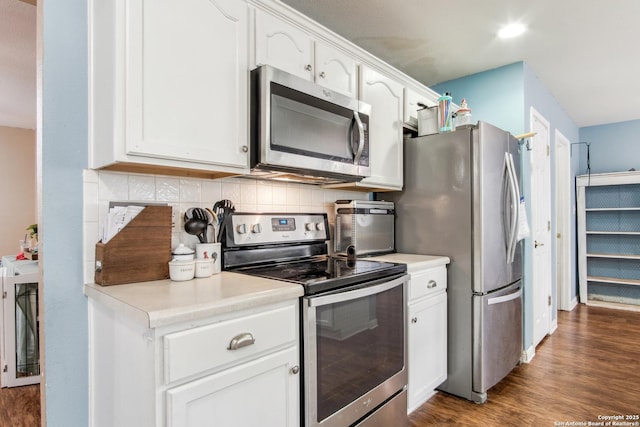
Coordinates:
(326, 273)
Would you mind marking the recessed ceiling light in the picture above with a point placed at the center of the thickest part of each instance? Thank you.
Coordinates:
(511, 30)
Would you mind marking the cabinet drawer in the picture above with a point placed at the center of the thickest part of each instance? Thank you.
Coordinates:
(427, 282)
(200, 349)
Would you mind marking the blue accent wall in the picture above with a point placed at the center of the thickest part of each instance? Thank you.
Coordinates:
(62, 155)
(614, 147)
(504, 97)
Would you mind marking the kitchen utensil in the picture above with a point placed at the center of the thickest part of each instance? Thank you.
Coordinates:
(197, 227)
(222, 208)
(213, 221)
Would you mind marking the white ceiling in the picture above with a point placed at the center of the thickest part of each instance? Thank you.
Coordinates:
(586, 53)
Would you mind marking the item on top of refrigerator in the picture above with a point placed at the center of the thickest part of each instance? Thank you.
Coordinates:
(463, 115)
(444, 113)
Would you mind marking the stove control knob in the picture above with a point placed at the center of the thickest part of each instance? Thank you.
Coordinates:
(256, 228)
(320, 226)
(310, 226)
(241, 229)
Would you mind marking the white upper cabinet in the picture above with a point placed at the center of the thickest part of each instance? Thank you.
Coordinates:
(169, 84)
(289, 48)
(414, 101)
(385, 96)
(336, 70)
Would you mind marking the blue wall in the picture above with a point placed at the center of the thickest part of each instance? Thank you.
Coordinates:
(504, 97)
(494, 96)
(614, 147)
(62, 155)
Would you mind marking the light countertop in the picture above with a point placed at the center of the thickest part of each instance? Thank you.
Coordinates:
(414, 262)
(164, 302)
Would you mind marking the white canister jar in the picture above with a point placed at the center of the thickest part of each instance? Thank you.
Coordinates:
(180, 271)
(204, 267)
(182, 253)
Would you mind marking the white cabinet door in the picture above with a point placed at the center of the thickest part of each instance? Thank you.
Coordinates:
(283, 46)
(427, 348)
(385, 128)
(336, 70)
(412, 101)
(263, 392)
(186, 80)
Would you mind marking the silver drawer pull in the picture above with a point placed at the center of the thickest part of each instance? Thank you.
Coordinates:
(431, 284)
(241, 340)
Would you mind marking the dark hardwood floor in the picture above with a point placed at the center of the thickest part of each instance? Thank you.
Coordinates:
(589, 367)
(20, 406)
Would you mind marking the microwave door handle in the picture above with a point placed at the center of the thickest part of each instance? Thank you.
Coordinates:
(358, 154)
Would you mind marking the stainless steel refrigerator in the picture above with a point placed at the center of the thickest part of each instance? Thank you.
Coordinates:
(461, 199)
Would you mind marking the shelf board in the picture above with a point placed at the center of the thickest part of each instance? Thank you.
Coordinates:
(614, 256)
(614, 280)
(613, 233)
(616, 305)
(611, 209)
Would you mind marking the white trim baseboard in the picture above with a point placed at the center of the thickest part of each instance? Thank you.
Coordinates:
(528, 354)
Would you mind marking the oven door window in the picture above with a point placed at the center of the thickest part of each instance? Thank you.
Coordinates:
(359, 345)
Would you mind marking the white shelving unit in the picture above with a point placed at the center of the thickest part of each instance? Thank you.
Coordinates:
(609, 239)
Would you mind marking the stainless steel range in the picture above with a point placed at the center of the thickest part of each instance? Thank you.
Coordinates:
(353, 317)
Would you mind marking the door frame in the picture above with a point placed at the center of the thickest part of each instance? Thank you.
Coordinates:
(536, 116)
(563, 216)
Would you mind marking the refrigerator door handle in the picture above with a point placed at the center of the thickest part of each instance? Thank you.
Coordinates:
(505, 298)
(515, 207)
(510, 208)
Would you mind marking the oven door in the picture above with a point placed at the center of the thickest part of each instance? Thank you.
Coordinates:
(354, 343)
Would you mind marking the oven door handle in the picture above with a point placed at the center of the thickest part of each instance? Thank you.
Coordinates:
(360, 292)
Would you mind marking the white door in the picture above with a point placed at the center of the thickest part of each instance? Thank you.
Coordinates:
(336, 70)
(541, 226)
(20, 344)
(186, 82)
(564, 214)
(263, 392)
(427, 348)
(283, 46)
(385, 128)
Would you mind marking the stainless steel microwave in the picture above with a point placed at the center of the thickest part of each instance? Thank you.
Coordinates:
(300, 129)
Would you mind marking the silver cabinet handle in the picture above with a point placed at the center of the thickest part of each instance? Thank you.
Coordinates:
(431, 284)
(241, 340)
(414, 320)
(322, 75)
(308, 67)
(536, 244)
(295, 370)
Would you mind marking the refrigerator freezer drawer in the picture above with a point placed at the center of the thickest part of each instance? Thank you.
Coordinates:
(497, 336)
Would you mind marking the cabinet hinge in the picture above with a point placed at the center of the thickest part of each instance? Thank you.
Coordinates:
(5, 368)
(548, 225)
(4, 294)
(548, 151)
(549, 300)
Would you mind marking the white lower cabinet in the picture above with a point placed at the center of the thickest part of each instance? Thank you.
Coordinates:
(427, 335)
(262, 392)
(238, 369)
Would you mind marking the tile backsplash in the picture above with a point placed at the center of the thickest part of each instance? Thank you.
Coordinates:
(248, 195)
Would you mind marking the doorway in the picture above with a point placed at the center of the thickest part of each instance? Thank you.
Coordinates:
(563, 215)
(541, 225)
